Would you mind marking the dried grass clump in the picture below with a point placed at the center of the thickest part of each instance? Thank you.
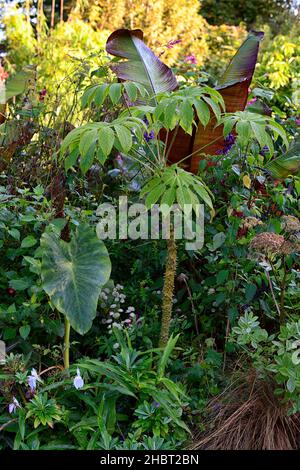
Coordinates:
(249, 417)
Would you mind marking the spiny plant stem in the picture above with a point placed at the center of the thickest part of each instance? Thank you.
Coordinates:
(67, 344)
(168, 290)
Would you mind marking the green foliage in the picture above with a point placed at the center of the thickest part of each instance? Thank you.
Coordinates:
(96, 141)
(275, 354)
(183, 107)
(175, 185)
(252, 126)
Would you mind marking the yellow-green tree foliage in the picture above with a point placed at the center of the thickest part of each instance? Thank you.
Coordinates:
(161, 20)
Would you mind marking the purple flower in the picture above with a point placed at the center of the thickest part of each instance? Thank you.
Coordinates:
(298, 121)
(13, 406)
(172, 43)
(149, 136)
(228, 143)
(33, 378)
(251, 101)
(264, 150)
(78, 380)
(191, 59)
(155, 404)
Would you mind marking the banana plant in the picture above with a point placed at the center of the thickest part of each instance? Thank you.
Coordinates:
(206, 137)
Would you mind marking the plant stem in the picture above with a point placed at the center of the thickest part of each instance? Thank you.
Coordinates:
(282, 294)
(67, 344)
(168, 289)
(272, 293)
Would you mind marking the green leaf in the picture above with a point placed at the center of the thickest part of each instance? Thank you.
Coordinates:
(106, 138)
(24, 331)
(71, 159)
(287, 163)
(291, 385)
(203, 112)
(131, 91)
(115, 92)
(73, 274)
(100, 94)
(87, 159)
(28, 242)
(186, 115)
(154, 195)
(88, 138)
(124, 136)
(17, 84)
(259, 133)
(250, 292)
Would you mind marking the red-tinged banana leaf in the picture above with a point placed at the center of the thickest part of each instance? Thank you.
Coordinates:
(140, 64)
(234, 88)
(286, 164)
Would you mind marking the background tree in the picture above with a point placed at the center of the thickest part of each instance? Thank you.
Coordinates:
(276, 13)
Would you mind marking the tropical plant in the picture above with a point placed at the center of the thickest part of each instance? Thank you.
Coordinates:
(73, 274)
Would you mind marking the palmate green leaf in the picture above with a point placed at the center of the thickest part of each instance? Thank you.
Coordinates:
(73, 274)
(285, 164)
(140, 64)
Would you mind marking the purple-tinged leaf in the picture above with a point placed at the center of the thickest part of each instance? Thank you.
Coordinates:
(141, 65)
(242, 65)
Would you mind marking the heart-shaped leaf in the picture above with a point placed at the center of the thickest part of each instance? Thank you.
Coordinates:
(73, 274)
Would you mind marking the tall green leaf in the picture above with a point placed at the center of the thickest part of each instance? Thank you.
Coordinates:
(73, 274)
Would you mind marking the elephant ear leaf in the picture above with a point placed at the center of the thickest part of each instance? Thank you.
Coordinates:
(286, 164)
(74, 273)
(139, 63)
(242, 65)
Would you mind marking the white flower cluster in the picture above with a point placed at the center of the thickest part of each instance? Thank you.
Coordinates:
(117, 316)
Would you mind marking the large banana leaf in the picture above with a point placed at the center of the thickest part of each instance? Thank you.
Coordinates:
(234, 88)
(286, 164)
(141, 64)
(242, 65)
(73, 274)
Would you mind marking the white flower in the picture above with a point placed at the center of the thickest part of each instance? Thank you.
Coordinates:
(116, 346)
(78, 380)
